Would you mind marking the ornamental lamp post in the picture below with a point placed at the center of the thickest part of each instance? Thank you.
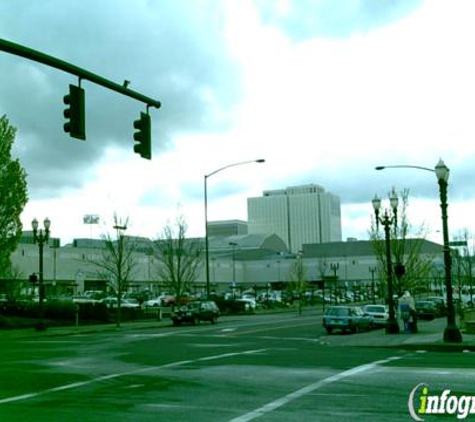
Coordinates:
(373, 294)
(206, 176)
(392, 327)
(334, 266)
(40, 238)
(451, 333)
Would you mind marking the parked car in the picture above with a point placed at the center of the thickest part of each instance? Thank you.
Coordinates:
(112, 302)
(195, 311)
(379, 314)
(346, 318)
(154, 302)
(441, 304)
(426, 309)
(249, 303)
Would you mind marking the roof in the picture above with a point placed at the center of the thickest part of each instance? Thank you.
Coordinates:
(248, 241)
(247, 246)
(358, 248)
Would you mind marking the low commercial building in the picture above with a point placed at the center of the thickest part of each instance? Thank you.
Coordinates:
(238, 261)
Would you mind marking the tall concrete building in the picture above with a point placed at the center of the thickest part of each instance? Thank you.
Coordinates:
(297, 214)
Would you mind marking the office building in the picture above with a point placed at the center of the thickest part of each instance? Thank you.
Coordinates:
(226, 228)
(298, 215)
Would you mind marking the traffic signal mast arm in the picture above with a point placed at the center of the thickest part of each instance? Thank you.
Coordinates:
(28, 53)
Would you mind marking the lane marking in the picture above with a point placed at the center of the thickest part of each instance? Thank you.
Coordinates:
(266, 328)
(121, 374)
(282, 401)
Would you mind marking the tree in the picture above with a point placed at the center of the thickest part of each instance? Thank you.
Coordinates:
(178, 258)
(12, 283)
(117, 263)
(411, 268)
(464, 265)
(298, 280)
(13, 194)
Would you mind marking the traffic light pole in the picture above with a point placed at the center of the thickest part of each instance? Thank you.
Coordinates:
(37, 56)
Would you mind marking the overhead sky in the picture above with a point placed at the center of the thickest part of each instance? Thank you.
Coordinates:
(323, 90)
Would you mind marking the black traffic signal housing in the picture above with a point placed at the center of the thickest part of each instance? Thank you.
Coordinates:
(33, 278)
(143, 136)
(75, 113)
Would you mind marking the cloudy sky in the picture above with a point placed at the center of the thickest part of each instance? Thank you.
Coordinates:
(323, 90)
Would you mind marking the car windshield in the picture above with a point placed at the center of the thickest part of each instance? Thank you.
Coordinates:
(339, 311)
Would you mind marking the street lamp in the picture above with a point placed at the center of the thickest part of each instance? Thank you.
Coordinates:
(334, 267)
(451, 333)
(372, 271)
(206, 214)
(392, 326)
(41, 238)
(119, 258)
(233, 245)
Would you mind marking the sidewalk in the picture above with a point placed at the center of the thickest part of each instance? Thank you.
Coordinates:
(429, 336)
(83, 329)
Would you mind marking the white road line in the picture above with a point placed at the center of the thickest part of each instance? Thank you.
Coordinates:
(269, 407)
(121, 374)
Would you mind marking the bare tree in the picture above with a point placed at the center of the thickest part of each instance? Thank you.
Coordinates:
(464, 264)
(178, 258)
(298, 280)
(411, 267)
(117, 263)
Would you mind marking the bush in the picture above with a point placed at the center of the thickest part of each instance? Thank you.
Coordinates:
(57, 310)
(93, 312)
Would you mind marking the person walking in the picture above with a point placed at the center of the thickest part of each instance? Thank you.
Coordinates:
(406, 310)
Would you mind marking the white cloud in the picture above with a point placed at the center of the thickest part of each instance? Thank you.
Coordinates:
(323, 109)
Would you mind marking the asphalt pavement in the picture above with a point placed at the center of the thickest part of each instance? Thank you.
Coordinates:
(429, 335)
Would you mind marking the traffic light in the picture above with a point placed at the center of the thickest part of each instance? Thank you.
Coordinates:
(75, 113)
(33, 278)
(143, 136)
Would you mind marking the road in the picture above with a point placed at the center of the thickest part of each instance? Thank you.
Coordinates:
(265, 368)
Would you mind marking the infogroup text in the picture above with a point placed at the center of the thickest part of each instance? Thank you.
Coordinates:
(421, 403)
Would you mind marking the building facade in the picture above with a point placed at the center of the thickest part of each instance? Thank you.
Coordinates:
(227, 228)
(239, 261)
(299, 215)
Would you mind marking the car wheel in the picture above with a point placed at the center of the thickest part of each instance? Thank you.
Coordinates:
(329, 330)
(214, 320)
(354, 329)
(176, 323)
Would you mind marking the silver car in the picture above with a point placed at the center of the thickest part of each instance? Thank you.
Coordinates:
(378, 313)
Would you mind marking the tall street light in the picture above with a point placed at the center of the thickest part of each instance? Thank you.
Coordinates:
(233, 245)
(372, 270)
(392, 327)
(206, 176)
(41, 238)
(451, 333)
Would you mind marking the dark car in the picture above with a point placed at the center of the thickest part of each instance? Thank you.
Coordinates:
(346, 318)
(426, 309)
(441, 304)
(196, 311)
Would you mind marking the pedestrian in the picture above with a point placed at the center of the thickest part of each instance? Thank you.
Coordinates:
(406, 308)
